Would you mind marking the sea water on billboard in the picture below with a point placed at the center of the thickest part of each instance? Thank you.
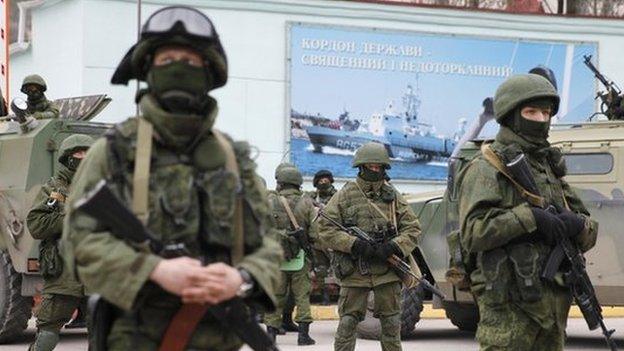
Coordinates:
(415, 93)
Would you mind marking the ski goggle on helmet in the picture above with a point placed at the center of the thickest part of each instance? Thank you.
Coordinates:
(179, 19)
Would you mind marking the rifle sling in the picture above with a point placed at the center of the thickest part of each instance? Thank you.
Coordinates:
(289, 212)
(185, 321)
(495, 161)
(140, 177)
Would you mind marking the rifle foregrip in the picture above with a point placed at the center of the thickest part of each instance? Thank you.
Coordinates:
(553, 263)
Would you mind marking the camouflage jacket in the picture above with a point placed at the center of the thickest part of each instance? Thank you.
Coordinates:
(494, 219)
(352, 206)
(304, 211)
(45, 222)
(191, 202)
(42, 109)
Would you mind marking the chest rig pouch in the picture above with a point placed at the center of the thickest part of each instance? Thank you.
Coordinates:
(497, 272)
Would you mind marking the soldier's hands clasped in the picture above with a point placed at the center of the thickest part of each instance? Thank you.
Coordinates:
(217, 282)
(176, 274)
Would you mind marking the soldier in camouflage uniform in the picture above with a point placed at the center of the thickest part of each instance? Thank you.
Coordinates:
(505, 239)
(195, 176)
(295, 270)
(323, 181)
(39, 106)
(378, 208)
(61, 292)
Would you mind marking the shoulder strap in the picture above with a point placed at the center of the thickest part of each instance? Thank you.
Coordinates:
(495, 161)
(289, 212)
(374, 206)
(140, 178)
(238, 245)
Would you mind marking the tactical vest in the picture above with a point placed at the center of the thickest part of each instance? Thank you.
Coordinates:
(284, 224)
(511, 272)
(190, 207)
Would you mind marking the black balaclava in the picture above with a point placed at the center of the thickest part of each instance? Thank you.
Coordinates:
(371, 176)
(530, 130)
(180, 87)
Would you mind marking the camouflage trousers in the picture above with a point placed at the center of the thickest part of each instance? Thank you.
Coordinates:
(297, 283)
(322, 266)
(55, 311)
(508, 328)
(352, 306)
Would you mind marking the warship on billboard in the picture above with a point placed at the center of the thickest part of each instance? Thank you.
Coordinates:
(403, 135)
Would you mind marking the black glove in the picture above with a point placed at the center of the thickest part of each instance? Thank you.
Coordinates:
(385, 250)
(362, 249)
(574, 223)
(549, 226)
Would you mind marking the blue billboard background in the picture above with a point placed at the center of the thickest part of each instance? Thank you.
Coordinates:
(414, 92)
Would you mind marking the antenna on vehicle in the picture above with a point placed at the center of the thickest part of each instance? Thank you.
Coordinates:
(138, 84)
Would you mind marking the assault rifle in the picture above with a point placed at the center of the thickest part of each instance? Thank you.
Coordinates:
(401, 267)
(612, 98)
(101, 204)
(576, 275)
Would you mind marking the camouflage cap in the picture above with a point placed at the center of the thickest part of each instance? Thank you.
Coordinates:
(522, 88)
(73, 143)
(371, 153)
(289, 175)
(34, 79)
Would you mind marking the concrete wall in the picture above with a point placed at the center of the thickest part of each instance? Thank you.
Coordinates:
(78, 43)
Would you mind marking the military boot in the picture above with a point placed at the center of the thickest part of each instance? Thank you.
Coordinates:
(44, 341)
(325, 301)
(273, 332)
(287, 322)
(304, 336)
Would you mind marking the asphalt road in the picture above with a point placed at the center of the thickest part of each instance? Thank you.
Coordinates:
(431, 334)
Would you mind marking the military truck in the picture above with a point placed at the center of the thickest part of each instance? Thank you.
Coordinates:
(28, 158)
(594, 154)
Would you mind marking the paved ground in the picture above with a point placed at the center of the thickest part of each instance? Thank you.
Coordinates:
(431, 334)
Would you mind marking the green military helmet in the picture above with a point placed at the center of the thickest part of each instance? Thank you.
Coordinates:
(34, 79)
(289, 175)
(174, 25)
(73, 143)
(522, 88)
(282, 166)
(371, 153)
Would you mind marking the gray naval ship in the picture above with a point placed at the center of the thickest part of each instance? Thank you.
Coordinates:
(404, 137)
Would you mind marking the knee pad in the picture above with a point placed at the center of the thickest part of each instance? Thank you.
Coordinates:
(391, 325)
(45, 341)
(347, 325)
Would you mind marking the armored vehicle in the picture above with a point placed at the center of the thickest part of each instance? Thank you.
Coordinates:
(28, 158)
(594, 154)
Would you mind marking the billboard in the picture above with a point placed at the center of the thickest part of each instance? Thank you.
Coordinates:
(414, 92)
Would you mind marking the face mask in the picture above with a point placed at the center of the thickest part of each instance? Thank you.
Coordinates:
(179, 87)
(34, 95)
(370, 176)
(529, 128)
(73, 163)
(323, 187)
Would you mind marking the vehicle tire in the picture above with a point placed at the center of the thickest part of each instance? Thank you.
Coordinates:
(15, 309)
(411, 307)
(464, 316)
